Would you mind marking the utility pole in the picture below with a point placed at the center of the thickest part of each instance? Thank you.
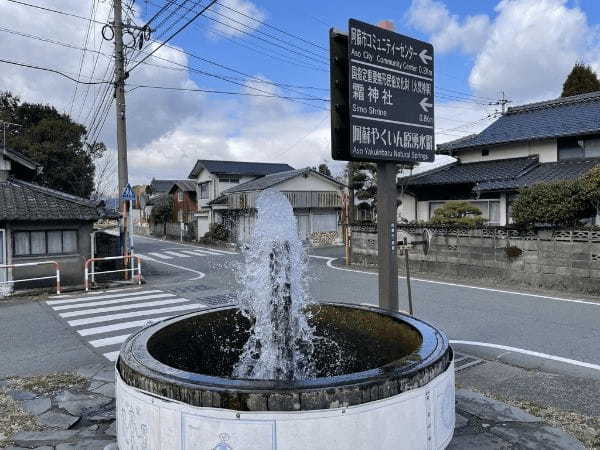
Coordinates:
(502, 102)
(120, 77)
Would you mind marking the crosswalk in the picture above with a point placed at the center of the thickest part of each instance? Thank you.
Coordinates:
(170, 254)
(106, 319)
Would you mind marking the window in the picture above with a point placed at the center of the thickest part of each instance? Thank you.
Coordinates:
(485, 152)
(203, 190)
(228, 179)
(41, 243)
(179, 196)
(574, 148)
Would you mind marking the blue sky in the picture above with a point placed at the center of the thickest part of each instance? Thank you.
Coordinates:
(523, 48)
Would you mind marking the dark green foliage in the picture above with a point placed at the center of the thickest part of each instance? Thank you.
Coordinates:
(590, 184)
(458, 213)
(162, 211)
(561, 203)
(581, 80)
(55, 142)
(324, 169)
(217, 232)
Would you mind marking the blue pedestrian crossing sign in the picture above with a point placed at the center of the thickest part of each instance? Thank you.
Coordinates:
(128, 193)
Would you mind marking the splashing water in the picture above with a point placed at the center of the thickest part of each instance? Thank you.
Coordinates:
(274, 296)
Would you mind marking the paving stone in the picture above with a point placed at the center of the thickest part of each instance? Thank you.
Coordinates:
(478, 441)
(106, 375)
(22, 395)
(490, 410)
(111, 446)
(106, 389)
(112, 429)
(76, 403)
(37, 406)
(535, 436)
(55, 419)
(461, 421)
(88, 444)
(43, 436)
(103, 417)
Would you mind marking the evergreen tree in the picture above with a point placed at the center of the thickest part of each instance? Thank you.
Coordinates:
(55, 142)
(581, 80)
(324, 169)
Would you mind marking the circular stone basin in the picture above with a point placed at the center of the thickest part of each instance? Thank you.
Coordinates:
(384, 380)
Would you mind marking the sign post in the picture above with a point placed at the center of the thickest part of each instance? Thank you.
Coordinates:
(386, 118)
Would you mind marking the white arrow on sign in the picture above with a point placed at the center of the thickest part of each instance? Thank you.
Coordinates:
(425, 57)
(425, 105)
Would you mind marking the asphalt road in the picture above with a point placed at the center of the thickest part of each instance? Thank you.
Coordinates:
(180, 275)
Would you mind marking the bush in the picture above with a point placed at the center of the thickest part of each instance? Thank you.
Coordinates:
(458, 213)
(162, 211)
(561, 203)
(216, 232)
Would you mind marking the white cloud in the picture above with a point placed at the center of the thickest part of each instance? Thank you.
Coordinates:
(532, 46)
(237, 17)
(447, 31)
(167, 130)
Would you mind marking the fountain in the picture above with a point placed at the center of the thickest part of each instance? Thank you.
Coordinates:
(279, 371)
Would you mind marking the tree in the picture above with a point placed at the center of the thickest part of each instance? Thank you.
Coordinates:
(324, 169)
(162, 211)
(55, 142)
(560, 203)
(458, 213)
(581, 80)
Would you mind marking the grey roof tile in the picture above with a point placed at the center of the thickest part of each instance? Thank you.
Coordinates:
(20, 200)
(238, 167)
(271, 180)
(569, 116)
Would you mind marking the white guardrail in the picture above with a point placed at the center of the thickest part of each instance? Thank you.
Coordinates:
(39, 263)
(131, 269)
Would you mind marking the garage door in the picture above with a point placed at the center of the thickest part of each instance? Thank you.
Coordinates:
(324, 222)
(2, 255)
(303, 221)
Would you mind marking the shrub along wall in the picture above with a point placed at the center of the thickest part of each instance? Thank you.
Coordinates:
(550, 259)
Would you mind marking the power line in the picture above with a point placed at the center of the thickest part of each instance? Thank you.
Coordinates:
(273, 27)
(176, 33)
(47, 69)
(64, 13)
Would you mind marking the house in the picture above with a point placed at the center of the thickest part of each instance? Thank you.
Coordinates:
(41, 224)
(183, 193)
(530, 144)
(212, 177)
(315, 198)
(153, 191)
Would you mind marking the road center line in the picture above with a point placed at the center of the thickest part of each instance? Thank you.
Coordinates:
(466, 286)
(523, 351)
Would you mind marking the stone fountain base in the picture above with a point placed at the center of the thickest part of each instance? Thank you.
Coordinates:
(422, 418)
(385, 380)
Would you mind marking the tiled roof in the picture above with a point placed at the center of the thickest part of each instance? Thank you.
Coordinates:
(158, 186)
(184, 185)
(543, 173)
(20, 200)
(473, 173)
(238, 167)
(568, 116)
(20, 158)
(271, 180)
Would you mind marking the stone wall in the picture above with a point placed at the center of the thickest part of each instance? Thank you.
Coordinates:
(549, 259)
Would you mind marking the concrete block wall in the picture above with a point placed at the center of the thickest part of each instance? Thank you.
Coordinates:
(565, 260)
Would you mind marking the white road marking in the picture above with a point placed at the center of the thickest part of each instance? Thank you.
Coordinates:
(96, 292)
(160, 255)
(179, 255)
(111, 302)
(523, 351)
(91, 297)
(197, 272)
(196, 253)
(119, 326)
(109, 341)
(129, 315)
(85, 312)
(466, 286)
(227, 252)
(112, 356)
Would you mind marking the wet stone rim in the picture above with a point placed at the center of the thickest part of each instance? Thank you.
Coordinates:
(139, 369)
